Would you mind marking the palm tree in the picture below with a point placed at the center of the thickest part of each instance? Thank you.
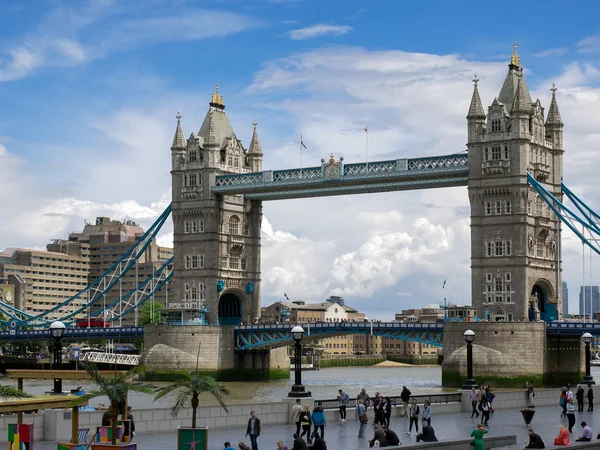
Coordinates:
(190, 386)
(7, 393)
(116, 388)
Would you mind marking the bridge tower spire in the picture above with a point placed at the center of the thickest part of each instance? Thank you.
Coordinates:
(216, 237)
(255, 153)
(476, 115)
(515, 240)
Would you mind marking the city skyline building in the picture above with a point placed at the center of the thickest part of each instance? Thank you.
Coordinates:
(592, 300)
(565, 298)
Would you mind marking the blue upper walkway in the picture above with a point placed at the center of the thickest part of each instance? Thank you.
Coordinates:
(337, 178)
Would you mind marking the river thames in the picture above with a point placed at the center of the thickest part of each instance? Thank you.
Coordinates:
(323, 384)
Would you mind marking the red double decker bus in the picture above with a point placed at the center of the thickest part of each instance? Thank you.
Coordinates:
(92, 322)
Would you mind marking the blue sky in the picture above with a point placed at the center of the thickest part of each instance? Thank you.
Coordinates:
(89, 91)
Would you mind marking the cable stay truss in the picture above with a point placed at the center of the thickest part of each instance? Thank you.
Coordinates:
(584, 219)
(95, 292)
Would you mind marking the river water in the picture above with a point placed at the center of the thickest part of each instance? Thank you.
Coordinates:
(323, 384)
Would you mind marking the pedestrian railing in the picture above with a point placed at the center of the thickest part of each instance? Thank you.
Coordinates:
(434, 399)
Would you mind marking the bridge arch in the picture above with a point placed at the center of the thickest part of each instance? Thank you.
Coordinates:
(542, 293)
(499, 315)
(232, 307)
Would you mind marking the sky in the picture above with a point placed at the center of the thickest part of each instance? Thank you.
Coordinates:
(89, 90)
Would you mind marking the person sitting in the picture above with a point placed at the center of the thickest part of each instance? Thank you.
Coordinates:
(563, 436)
(586, 434)
(106, 417)
(318, 443)
(427, 434)
(535, 441)
(243, 446)
(227, 446)
(379, 435)
(391, 437)
(299, 443)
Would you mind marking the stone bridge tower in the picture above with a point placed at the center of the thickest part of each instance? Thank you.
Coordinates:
(216, 238)
(515, 237)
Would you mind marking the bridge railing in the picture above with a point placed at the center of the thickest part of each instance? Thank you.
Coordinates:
(397, 400)
(345, 325)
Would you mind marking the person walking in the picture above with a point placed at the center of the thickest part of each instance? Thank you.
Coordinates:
(405, 396)
(253, 429)
(427, 412)
(571, 415)
(379, 409)
(530, 393)
(364, 397)
(485, 412)
(414, 416)
(318, 420)
(361, 413)
(563, 402)
(474, 398)
(563, 436)
(477, 435)
(535, 441)
(490, 398)
(305, 422)
(590, 397)
(344, 399)
(295, 415)
(579, 395)
(586, 434)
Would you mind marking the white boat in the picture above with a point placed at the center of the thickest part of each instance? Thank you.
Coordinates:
(595, 362)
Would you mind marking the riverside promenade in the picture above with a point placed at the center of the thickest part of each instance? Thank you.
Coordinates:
(344, 435)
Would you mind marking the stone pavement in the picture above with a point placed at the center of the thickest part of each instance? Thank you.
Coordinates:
(344, 436)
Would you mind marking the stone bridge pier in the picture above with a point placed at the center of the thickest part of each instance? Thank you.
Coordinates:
(211, 349)
(508, 354)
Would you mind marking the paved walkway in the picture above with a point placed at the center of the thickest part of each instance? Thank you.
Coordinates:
(340, 435)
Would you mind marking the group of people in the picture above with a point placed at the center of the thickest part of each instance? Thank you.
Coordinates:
(563, 438)
(566, 402)
(481, 403)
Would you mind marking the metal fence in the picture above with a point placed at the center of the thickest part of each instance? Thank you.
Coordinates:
(396, 400)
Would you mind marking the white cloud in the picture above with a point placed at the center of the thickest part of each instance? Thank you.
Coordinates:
(551, 52)
(319, 30)
(590, 44)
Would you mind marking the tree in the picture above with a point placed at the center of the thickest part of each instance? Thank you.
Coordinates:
(7, 393)
(116, 388)
(150, 313)
(189, 388)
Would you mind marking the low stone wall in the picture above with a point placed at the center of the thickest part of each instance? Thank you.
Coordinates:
(491, 442)
(518, 399)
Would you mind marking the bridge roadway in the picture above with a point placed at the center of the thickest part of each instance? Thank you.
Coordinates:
(338, 178)
(251, 337)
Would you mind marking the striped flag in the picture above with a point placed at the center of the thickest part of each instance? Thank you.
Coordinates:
(286, 296)
(302, 142)
(444, 285)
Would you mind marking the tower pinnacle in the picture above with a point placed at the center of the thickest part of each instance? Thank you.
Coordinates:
(553, 113)
(515, 60)
(217, 99)
(520, 103)
(476, 110)
(255, 143)
(178, 139)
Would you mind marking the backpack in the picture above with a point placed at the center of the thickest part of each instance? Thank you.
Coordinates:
(562, 400)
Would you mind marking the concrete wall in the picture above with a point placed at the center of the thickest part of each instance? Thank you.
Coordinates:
(38, 424)
(565, 359)
(179, 347)
(463, 444)
(502, 351)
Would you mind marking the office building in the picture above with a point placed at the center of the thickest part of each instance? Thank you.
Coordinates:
(565, 298)
(592, 300)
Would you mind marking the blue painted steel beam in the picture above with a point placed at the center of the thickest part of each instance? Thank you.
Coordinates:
(572, 328)
(73, 333)
(249, 337)
(376, 176)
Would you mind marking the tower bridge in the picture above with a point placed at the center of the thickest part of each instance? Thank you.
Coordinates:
(512, 168)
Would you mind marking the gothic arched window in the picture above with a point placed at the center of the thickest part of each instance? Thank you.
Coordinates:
(234, 225)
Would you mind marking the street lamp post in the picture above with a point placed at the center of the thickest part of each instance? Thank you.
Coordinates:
(57, 330)
(298, 389)
(587, 339)
(469, 336)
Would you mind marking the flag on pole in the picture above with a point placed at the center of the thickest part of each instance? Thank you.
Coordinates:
(286, 296)
(302, 142)
(365, 129)
(444, 285)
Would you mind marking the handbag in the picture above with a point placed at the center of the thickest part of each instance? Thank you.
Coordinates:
(364, 418)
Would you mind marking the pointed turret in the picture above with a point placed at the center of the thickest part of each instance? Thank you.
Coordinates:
(209, 135)
(178, 139)
(509, 88)
(554, 118)
(255, 143)
(476, 110)
(255, 153)
(520, 103)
